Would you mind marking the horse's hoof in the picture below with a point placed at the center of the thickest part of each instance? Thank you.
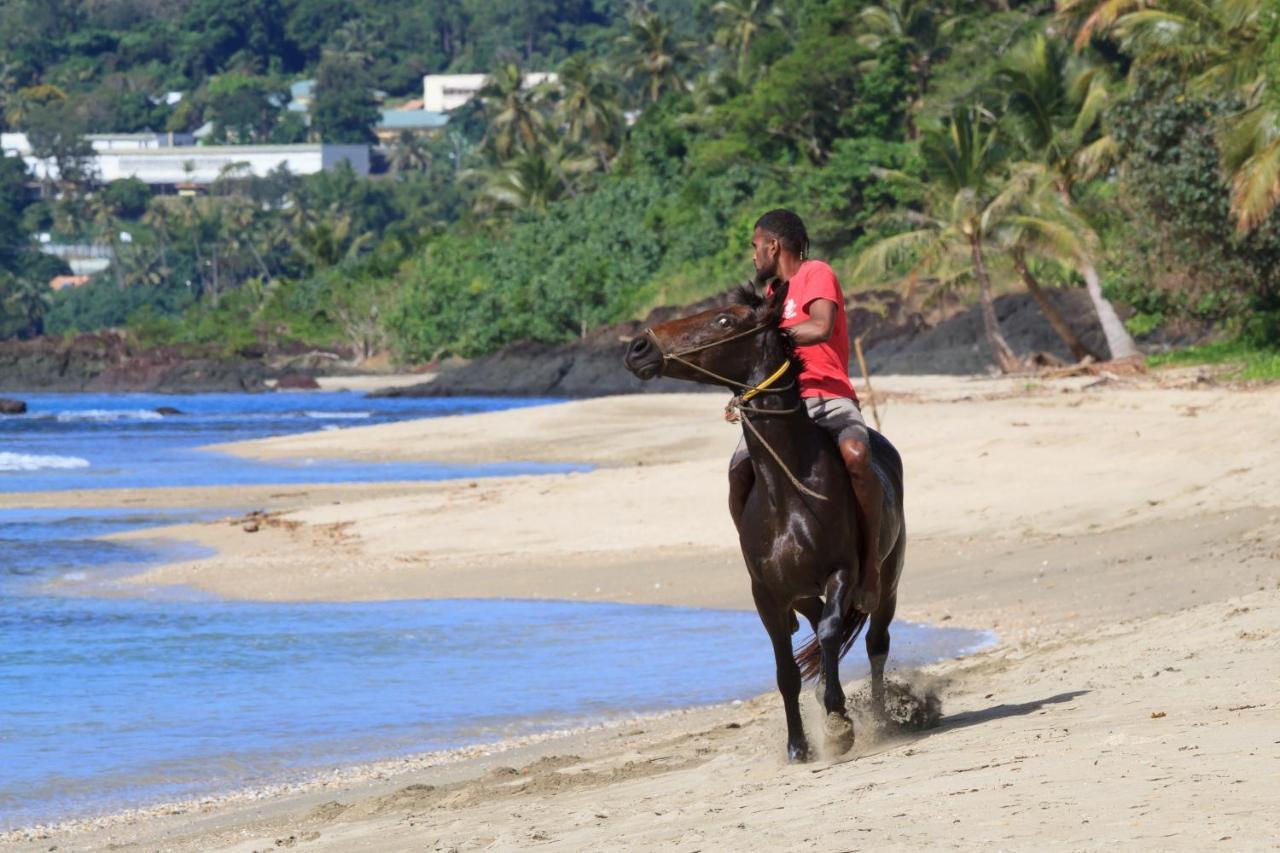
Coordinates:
(839, 731)
(798, 754)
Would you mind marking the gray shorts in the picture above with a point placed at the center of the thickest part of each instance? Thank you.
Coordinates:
(839, 416)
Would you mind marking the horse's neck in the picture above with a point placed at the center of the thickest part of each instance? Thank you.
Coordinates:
(788, 432)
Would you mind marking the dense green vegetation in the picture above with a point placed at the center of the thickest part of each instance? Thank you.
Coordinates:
(1131, 148)
(1245, 361)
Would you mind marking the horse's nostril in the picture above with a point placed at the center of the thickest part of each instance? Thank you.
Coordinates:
(640, 346)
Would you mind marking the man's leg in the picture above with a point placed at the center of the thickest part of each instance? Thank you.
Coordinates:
(843, 419)
(870, 499)
(741, 478)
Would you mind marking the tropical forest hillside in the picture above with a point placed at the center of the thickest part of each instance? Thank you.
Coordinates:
(1130, 148)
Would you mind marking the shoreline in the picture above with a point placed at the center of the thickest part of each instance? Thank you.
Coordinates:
(312, 781)
(386, 770)
(389, 770)
(1120, 540)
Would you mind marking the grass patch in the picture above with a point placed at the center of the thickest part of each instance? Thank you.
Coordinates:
(1254, 362)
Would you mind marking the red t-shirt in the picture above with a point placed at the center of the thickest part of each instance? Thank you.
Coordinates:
(826, 365)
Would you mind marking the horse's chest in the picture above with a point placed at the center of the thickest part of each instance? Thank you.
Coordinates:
(793, 554)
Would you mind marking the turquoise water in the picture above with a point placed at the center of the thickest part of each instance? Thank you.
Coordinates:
(108, 702)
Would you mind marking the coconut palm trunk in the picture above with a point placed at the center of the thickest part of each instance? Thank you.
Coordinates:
(1119, 341)
(1000, 349)
(1072, 341)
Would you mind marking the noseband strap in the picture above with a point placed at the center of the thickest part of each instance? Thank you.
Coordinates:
(751, 390)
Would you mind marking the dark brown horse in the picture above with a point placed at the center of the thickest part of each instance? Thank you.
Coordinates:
(797, 530)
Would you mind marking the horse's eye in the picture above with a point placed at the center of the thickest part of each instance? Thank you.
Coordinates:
(723, 322)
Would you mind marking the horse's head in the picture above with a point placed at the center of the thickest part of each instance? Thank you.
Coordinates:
(727, 343)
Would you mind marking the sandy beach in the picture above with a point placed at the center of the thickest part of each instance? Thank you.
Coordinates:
(1120, 536)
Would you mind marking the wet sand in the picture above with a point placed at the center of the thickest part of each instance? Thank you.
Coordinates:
(1122, 538)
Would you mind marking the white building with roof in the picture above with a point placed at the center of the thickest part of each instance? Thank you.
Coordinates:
(151, 158)
(444, 92)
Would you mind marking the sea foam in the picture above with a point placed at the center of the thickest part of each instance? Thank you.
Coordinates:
(339, 416)
(107, 415)
(29, 462)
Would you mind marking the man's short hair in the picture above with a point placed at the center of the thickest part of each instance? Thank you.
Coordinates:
(788, 228)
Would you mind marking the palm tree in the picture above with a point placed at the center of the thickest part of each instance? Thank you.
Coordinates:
(740, 22)
(918, 23)
(355, 43)
(409, 153)
(1218, 46)
(329, 240)
(533, 180)
(589, 109)
(514, 115)
(1053, 103)
(964, 162)
(1033, 220)
(23, 303)
(241, 222)
(656, 54)
(713, 87)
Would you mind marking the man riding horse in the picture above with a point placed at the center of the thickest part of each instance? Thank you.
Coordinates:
(815, 318)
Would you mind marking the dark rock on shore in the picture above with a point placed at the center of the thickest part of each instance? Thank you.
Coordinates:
(589, 367)
(297, 382)
(895, 340)
(957, 345)
(108, 361)
(12, 407)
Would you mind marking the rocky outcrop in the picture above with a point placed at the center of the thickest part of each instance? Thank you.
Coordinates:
(109, 362)
(297, 382)
(895, 339)
(12, 407)
(956, 345)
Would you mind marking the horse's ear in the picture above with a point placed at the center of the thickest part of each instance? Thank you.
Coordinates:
(771, 311)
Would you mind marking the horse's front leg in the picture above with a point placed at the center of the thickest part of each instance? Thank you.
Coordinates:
(838, 726)
(777, 619)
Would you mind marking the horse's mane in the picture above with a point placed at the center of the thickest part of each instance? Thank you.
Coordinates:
(747, 295)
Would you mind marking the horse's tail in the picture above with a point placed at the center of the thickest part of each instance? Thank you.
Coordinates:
(809, 657)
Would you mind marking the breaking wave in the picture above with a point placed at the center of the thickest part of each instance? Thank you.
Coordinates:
(339, 416)
(28, 462)
(107, 415)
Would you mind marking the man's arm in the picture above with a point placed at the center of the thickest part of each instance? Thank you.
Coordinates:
(817, 329)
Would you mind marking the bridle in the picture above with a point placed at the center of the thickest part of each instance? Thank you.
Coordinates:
(737, 406)
(765, 387)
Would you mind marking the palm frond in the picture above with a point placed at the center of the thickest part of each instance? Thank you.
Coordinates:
(1095, 158)
(888, 254)
(1255, 189)
(901, 179)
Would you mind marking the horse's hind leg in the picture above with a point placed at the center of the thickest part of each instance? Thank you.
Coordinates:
(777, 621)
(878, 633)
(878, 649)
(839, 728)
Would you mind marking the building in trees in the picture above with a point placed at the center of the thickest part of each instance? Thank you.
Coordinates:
(154, 159)
(444, 92)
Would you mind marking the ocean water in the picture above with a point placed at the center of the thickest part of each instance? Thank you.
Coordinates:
(112, 699)
(99, 441)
